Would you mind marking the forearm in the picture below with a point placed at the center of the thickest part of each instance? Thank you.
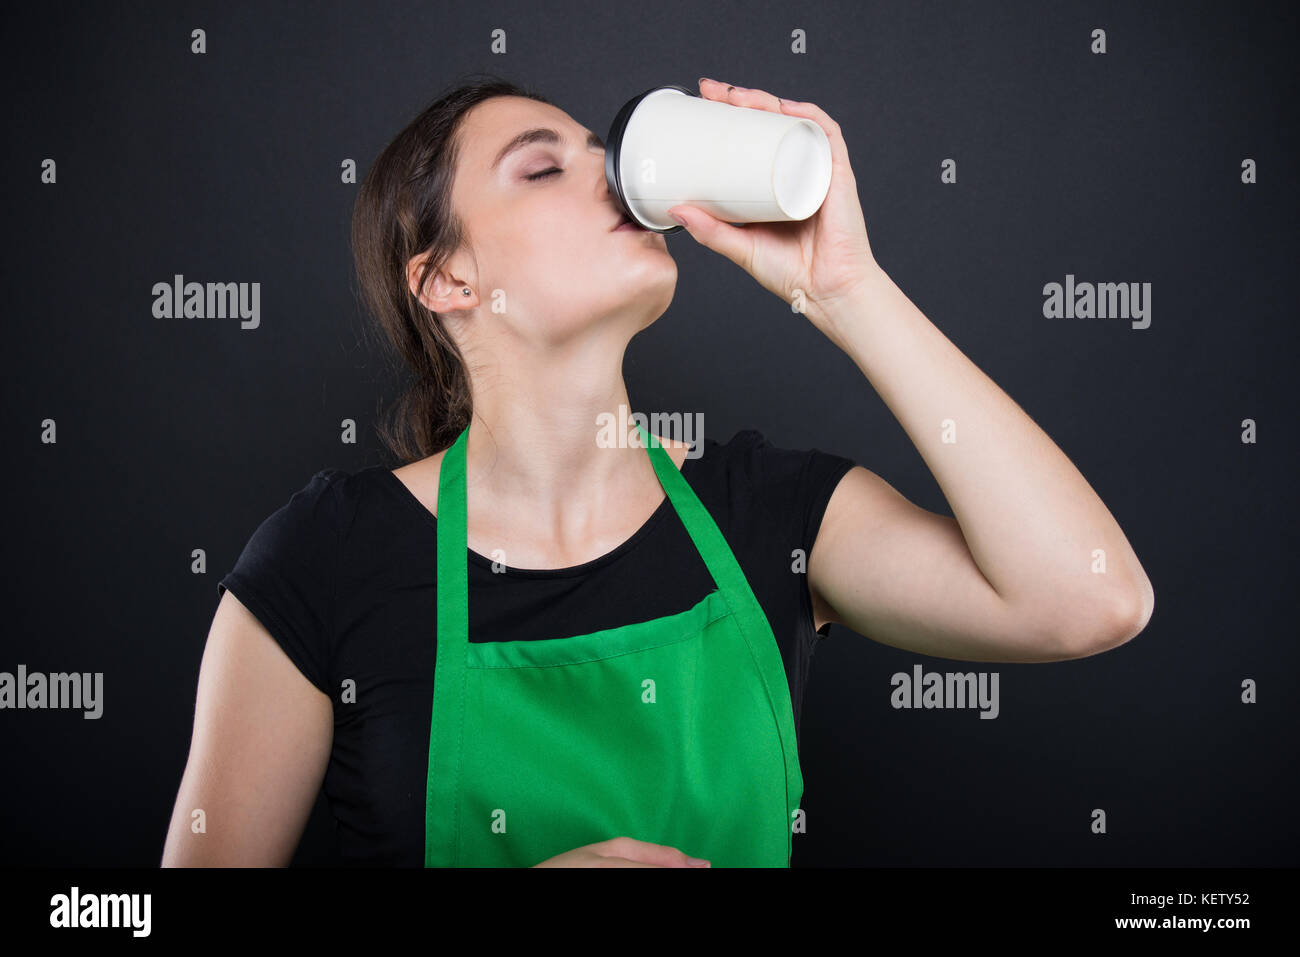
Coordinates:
(1031, 521)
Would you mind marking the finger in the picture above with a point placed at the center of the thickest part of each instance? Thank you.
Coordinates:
(762, 100)
(723, 238)
(712, 89)
(740, 96)
(811, 111)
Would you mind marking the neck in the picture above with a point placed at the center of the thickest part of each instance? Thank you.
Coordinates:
(539, 454)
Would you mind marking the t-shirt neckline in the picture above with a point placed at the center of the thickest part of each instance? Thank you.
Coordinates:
(571, 571)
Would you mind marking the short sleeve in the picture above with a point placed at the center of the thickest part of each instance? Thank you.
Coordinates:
(285, 575)
(795, 485)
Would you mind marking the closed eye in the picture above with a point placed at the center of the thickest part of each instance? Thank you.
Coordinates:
(544, 173)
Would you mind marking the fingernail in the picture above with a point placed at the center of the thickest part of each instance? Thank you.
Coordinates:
(677, 219)
(697, 862)
(703, 78)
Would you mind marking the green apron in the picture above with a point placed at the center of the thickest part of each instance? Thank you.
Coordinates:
(678, 730)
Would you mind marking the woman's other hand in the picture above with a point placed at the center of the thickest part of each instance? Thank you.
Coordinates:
(622, 852)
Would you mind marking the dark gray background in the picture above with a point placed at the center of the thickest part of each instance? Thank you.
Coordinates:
(176, 434)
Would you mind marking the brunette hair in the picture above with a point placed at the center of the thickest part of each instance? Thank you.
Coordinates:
(403, 209)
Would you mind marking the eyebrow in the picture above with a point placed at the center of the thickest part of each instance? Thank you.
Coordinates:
(540, 135)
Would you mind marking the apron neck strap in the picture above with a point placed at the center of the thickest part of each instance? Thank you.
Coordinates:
(709, 541)
(453, 532)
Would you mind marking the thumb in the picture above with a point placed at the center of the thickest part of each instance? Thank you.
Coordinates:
(722, 237)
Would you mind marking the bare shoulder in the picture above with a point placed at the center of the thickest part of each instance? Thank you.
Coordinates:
(676, 450)
(421, 468)
(421, 478)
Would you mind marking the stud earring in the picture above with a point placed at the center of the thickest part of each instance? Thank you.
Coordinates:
(465, 291)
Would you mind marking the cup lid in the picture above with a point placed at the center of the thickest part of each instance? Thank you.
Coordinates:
(614, 147)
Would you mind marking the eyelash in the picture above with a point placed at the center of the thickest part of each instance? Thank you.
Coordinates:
(544, 173)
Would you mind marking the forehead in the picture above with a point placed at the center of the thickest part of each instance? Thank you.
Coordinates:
(490, 125)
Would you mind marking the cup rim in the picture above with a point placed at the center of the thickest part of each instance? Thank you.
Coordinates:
(614, 147)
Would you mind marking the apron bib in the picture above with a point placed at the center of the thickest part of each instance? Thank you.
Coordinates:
(678, 730)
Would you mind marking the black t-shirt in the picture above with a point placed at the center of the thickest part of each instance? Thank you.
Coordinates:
(343, 577)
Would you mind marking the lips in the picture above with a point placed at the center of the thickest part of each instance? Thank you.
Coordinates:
(626, 223)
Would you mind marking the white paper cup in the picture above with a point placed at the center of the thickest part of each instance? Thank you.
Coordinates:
(669, 146)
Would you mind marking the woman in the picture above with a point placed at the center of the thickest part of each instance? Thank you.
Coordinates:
(624, 690)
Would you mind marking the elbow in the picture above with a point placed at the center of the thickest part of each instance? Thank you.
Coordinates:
(1135, 612)
(1123, 620)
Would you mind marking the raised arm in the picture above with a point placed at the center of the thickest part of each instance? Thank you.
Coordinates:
(1033, 568)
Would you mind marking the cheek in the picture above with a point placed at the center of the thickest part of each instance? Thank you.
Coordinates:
(552, 258)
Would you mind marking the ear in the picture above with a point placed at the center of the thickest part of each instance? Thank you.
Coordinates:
(442, 291)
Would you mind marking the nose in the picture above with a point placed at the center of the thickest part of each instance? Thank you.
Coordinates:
(603, 189)
(601, 168)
